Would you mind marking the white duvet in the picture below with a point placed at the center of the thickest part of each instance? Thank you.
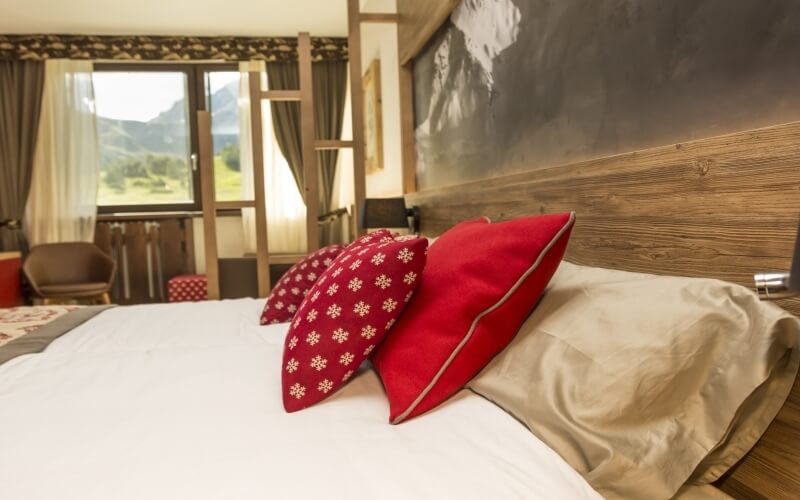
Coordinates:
(182, 401)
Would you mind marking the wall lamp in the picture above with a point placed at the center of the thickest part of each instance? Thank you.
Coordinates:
(771, 286)
(389, 213)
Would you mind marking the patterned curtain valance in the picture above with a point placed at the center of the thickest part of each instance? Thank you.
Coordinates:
(165, 48)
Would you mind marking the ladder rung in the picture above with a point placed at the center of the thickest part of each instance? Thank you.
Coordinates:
(281, 95)
(327, 144)
(231, 205)
(379, 18)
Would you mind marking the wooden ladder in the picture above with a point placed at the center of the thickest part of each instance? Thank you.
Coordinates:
(310, 144)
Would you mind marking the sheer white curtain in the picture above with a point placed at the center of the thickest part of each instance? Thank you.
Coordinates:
(286, 212)
(62, 204)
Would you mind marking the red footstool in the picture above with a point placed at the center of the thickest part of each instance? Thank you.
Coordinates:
(187, 288)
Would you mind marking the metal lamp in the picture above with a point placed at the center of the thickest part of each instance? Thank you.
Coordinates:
(389, 213)
(781, 285)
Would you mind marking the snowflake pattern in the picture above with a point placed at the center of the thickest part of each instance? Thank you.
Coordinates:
(368, 332)
(356, 294)
(334, 311)
(355, 284)
(312, 338)
(292, 288)
(383, 282)
(297, 390)
(405, 255)
(318, 363)
(389, 305)
(340, 335)
(325, 386)
(346, 358)
(361, 308)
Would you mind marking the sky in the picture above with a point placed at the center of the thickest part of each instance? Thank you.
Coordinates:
(140, 95)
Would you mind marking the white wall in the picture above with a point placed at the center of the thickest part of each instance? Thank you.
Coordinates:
(379, 41)
(230, 240)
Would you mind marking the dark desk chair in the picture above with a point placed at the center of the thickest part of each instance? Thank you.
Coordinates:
(70, 271)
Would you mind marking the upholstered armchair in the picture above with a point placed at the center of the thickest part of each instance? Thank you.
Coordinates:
(70, 271)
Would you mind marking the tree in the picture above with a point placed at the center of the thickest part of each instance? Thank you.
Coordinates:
(230, 156)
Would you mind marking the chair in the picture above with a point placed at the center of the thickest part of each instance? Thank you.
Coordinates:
(67, 271)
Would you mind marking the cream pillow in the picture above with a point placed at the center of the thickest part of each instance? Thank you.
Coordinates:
(642, 382)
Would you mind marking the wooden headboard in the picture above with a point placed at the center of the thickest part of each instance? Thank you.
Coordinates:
(724, 207)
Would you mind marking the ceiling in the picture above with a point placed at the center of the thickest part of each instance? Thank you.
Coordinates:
(174, 17)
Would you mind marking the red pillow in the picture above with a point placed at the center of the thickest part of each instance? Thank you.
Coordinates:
(294, 285)
(347, 312)
(481, 282)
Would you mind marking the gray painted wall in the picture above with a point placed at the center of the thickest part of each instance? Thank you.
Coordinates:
(513, 85)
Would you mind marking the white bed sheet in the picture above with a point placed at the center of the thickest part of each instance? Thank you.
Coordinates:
(182, 401)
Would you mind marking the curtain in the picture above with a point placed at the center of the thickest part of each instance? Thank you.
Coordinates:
(329, 83)
(21, 85)
(62, 204)
(286, 212)
(286, 117)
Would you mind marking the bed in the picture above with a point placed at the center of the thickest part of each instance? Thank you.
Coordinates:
(189, 407)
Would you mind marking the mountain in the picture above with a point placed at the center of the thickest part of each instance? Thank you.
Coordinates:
(166, 133)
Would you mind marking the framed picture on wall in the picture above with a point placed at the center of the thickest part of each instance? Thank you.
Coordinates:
(373, 121)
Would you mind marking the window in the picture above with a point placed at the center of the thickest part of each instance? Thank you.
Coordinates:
(146, 119)
(222, 101)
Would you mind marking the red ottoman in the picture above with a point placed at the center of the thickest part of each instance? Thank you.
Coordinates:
(187, 288)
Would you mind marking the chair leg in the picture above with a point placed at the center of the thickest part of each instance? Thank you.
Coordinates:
(105, 298)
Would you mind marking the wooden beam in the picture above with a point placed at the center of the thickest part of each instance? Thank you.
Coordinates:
(286, 258)
(357, 109)
(280, 95)
(308, 136)
(209, 214)
(379, 18)
(259, 203)
(233, 205)
(419, 20)
(321, 144)
(408, 149)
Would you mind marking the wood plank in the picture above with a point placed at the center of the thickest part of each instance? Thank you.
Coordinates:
(234, 205)
(357, 110)
(279, 95)
(323, 144)
(209, 214)
(286, 258)
(408, 149)
(308, 138)
(379, 18)
(259, 203)
(419, 20)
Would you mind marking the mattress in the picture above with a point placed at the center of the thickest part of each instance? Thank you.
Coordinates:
(183, 400)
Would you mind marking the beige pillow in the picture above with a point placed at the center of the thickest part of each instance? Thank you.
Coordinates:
(641, 382)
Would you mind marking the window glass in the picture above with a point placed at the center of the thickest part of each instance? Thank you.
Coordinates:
(222, 101)
(144, 134)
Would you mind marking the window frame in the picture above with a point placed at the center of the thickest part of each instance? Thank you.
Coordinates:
(196, 95)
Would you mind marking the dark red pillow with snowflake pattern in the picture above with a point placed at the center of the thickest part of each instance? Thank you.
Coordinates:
(347, 312)
(289, 292)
